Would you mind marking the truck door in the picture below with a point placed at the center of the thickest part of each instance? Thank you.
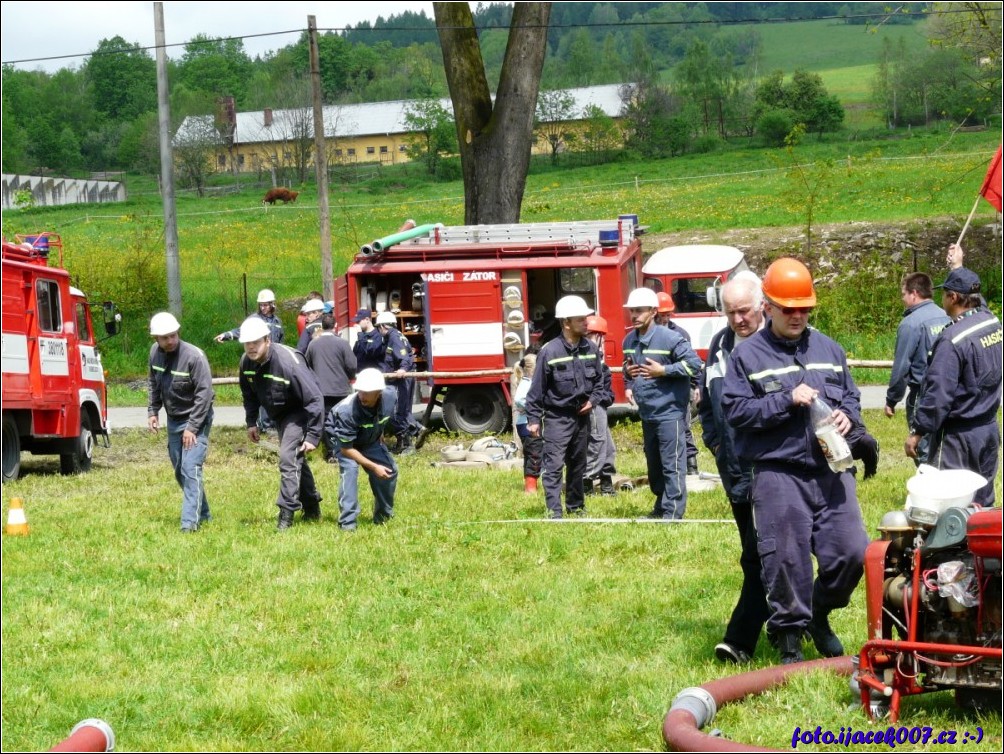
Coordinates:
(464, 329)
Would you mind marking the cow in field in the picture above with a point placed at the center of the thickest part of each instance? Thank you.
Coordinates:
(283, 195)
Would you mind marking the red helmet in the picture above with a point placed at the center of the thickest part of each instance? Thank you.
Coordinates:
(788, 282)
(596, 323)
(666, 303)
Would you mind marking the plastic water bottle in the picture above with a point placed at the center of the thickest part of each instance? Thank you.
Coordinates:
(835, 447)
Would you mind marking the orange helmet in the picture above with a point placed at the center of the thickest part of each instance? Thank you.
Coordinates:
(596, 323)
(788, 282)
(666, 303)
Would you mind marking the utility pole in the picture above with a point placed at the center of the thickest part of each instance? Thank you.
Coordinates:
(321, 164)
(167, 167)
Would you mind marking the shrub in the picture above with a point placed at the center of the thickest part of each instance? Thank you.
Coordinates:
(774, 125)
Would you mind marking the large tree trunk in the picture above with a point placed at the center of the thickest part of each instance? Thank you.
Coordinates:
(495, 141)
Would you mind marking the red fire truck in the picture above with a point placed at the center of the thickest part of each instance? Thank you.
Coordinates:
(472, 299)
(54, 399)
(693, 275)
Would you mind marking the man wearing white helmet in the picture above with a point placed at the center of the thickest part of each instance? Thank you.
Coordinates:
(180, 382)
(356, 426)
(311, 310)
(658, 367)
(567, 384)
(275, 378)
(266, 311)
(399, 359)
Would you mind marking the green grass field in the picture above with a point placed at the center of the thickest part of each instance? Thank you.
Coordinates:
(445, 630)
(828, 45)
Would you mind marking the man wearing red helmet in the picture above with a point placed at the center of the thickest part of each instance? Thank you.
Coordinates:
(601, 455)
(664, 317)
(800, 505)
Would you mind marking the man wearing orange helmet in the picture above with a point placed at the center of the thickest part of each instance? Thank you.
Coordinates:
(600, 453)
(664, 317)
(801, 506)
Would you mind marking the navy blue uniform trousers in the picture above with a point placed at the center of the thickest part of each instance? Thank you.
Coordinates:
(798, 514)
(566, 438)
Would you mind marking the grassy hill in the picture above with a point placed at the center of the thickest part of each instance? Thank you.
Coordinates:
(828, 45)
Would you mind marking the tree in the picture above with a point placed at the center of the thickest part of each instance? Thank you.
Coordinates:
(654, 128)
(123, 79)
(495, 138)
(220, 67)
(600, 134)
(804, 98)
(555, 110)
(195, 147)
(432, 133)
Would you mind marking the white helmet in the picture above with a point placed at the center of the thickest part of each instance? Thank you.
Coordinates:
(515, 318)
(386, 318)
(571, 306)
(369, 380)
(265, 296)
(164, 323)
(313, 305)
(641, 298)
(253, 328)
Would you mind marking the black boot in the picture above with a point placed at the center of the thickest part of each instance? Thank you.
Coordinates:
(312, 511)
(692, 466)
(398, 444)
(587, 487)
(827, 643)
(404, 445)
(789, 645)
(285, 519)
(607, 485)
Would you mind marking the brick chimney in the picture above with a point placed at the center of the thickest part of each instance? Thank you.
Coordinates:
(268, 117)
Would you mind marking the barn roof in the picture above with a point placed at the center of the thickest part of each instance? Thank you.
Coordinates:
(368, 119)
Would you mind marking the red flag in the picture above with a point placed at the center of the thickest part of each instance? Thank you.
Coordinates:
(991, 190)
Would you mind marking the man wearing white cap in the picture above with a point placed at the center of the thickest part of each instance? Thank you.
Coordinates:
(567, 384)
(658, 367)
(181, 383)
(311, 311)
(266, 311)
(356, 426)
(275, 377)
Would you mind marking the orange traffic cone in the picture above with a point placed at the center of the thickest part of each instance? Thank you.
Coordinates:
(17, 523)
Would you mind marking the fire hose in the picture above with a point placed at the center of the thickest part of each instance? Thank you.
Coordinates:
(695, 707)
(88, 735)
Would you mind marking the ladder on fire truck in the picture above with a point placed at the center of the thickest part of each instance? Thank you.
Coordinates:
(602, 232)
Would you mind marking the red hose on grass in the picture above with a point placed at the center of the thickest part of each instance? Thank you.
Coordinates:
(88, 735)
(694, 708)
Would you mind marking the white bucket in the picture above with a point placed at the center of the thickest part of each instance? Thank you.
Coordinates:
(933, 491)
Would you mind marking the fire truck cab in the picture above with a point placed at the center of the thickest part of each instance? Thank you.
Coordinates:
(472, 299)
(693, 275)
(54, 399)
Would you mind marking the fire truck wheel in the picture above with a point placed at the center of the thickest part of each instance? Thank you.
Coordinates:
(79, 460)
(11, 449)
(476, 410)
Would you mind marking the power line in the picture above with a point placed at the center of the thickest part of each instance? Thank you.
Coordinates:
(385, 30)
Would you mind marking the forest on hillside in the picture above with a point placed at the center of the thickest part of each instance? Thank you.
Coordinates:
(697, 70)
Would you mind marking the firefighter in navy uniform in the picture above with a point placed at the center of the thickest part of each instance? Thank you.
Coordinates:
(665, 318)
(801, 507)
(567, 383)
(398, 360)
(961, 392)
(659, 367)
(275, 377)
(742, 304)
(368, 348)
